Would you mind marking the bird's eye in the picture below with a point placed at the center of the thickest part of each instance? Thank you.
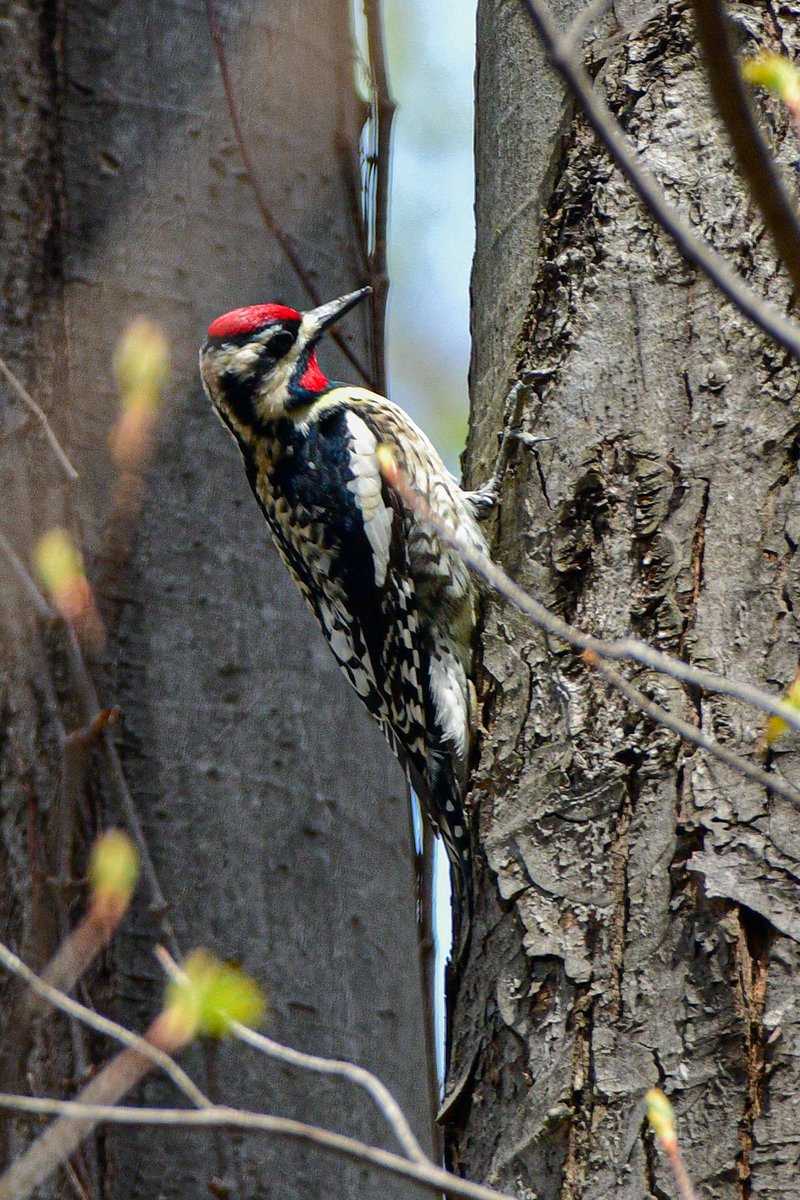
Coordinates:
(280, 344)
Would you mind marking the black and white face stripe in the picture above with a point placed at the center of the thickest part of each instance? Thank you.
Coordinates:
(236, 368)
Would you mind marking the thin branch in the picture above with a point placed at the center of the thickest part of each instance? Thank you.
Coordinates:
(77, 951)
(383, 108)
(63, 1138)
(756, 162)
(91, 706)
(77, 1186)
(361, 1077)
(624, 649)
(690, 733)
(621, 649)
(694, 249)
(661, 1119)
(572, 40)
(91, 731)
(80, 1012)
(37, 600)
(261, 200)
(41, 417)
(679, 1173)
(434, 1178)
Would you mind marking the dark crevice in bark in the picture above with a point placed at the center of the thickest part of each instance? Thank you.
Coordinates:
(619, 857)
(532, 681)
(752, 963)
(650, 1156)
(579, 1136)
(577, 533)
(687, 389)
(689, 840)
(542, 480)
(777, 28)
(568, 213)
(698, 554)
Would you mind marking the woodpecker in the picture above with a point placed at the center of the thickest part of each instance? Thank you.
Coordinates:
(397, 605)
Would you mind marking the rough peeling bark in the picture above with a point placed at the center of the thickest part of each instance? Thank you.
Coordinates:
(639, 913)
(257, 775)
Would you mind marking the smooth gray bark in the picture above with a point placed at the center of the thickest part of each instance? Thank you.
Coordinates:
(275, 814)
(638, 917)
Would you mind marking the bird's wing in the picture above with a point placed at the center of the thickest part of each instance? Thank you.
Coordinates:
(341, 535)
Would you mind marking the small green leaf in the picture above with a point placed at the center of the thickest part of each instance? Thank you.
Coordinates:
(57, 560)
(114, 866)
(141, 362)
(212, 995)
(775, 73)
(661, 1117)
(776, 725)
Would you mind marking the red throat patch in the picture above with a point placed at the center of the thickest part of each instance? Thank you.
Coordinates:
(247, 320)
(312, 378)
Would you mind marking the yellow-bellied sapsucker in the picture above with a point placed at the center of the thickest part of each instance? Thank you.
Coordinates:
(397, 605)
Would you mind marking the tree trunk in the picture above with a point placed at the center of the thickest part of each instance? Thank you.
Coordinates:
(638, 921)
(275, 816)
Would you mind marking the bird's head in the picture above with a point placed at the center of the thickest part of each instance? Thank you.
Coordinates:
(259, 364)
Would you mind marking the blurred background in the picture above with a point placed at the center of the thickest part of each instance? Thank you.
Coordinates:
(431, 52)
(431, 58)
(246, 754)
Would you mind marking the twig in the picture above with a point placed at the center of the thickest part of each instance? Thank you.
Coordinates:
(41, 417)
(756, 162)
(690, 733)
(76, 953)
(360, 1076)
(434, 1178)
(64, 1136)
(622, 649)
(661, 1118)
(91, 707)
(77, 1186)
(74, 749)
(266, 212)
(383, 107)
(629, 649)
(92, 730)
(171, 1031)
(679, 1173)
(572, 39)
(40, 605)
(694, 249)
(80, 1012)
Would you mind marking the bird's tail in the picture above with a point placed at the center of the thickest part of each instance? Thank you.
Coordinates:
(450, 816)
(441, 795)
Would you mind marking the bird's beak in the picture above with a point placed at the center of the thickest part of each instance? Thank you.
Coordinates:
(317, 320)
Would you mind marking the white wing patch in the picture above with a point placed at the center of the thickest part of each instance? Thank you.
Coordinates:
(366, 487)
(449, 689)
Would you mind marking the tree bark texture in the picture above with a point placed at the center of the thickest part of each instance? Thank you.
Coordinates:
(275, 815)
(638, 918)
